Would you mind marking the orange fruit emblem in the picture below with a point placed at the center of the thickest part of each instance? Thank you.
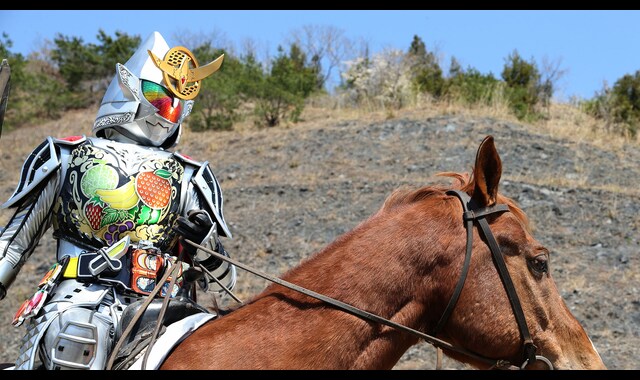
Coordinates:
(154, 188)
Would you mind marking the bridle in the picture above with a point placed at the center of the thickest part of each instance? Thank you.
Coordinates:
(471, 214)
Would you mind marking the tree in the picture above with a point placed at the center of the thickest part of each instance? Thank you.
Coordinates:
(327, 46)
(87, 66)
(625, 98)
(471, 86)
(523, 82)
(454, 68)
(37, 89)
(282, 92)
(383, 79)
(219, 98)
(424, 69)
(113, 50)
(76, 60)
(550, 74)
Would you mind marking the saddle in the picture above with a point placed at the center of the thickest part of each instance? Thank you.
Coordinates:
(139, 338)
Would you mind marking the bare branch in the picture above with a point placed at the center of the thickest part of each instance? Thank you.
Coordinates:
(328, 43)
(217, 39)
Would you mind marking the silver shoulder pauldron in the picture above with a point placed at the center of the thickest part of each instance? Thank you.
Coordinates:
(40, 165)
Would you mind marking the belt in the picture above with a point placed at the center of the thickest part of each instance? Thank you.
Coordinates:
(72, 268)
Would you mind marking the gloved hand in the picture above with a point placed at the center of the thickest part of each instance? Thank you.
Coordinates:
(194, 227)
(3, 291)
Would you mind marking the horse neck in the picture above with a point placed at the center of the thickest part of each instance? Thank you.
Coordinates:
(383, 266)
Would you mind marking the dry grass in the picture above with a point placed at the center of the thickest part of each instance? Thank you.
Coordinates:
(570, 122)
(563, 120)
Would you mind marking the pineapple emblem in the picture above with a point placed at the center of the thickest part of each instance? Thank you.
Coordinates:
(154, 188)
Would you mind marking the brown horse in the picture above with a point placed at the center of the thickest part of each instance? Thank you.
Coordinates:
(403, 264)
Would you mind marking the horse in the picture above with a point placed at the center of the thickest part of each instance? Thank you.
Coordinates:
(407, 263)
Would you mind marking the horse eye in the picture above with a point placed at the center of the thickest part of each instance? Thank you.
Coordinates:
(539, 264)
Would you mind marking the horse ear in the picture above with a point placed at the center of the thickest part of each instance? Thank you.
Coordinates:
(486, 172)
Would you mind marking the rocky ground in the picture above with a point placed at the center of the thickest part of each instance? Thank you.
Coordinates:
(289, 191)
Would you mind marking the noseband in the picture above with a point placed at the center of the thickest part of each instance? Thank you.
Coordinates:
(474, 214)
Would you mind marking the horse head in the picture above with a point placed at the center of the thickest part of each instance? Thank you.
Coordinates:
(484, 319)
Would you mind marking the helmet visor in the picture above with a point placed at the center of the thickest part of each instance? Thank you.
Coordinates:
(161, 99)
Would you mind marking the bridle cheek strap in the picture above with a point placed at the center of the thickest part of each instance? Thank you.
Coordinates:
(478, 215)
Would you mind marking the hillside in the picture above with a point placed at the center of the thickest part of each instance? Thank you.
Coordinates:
(291, 190)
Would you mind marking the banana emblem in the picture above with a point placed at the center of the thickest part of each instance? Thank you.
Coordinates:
(122, 198)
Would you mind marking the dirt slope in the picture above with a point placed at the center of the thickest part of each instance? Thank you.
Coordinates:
(291, 190)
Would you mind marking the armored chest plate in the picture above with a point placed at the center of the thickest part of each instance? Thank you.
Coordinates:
(111, 190)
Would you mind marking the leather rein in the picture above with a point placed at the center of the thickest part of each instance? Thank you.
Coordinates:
(471, 214)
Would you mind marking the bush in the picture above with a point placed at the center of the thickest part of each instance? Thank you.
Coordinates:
(215, 107)
(619, 106)
(471, 87)
(526, 89)
(522, 79)
(38, 91)
(78, 61)
(45, 85)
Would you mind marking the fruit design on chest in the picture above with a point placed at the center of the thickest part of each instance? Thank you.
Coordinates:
(115, 204)
(93, 212)
(122, 198)
(96, 179)
(154, 188)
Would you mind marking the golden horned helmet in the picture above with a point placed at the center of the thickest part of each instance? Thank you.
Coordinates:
(180, 68)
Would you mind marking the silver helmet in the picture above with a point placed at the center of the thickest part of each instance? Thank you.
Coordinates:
(149, 97)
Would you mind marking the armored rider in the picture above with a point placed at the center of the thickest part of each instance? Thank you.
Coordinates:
(118, 204)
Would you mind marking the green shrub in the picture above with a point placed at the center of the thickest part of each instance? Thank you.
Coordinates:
(46, 85)
(78, 61)
(38, 92)
(471, 86)
(619, 106)
(528, 89)
(525, 89)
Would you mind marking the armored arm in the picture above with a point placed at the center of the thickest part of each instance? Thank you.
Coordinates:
(33, 200)
(203, 197)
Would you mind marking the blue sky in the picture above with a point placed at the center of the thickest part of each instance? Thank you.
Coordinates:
(593, 46)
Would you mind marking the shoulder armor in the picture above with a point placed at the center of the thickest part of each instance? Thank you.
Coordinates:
(39, 166)
(187, 159)
(70, 141)
(208, 187)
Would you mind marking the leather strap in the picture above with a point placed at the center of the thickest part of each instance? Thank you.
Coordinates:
(464, 199)
(470, 215)
(529, 347)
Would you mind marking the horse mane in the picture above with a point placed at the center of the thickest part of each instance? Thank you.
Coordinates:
(463, 181)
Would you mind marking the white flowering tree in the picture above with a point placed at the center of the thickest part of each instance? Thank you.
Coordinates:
(382, 80)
